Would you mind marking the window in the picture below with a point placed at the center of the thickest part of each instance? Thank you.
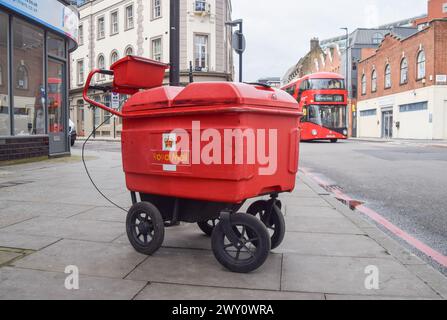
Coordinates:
(200, 52)
(156, 9)
(364, 84)
(129, 51)
(22, 78)
(80, 72)
(387, 76)
(129, 17)
(374, 81)
(200, 6)
(101, 30)
(421, 65)
(56, 45)
(29, 83)
(156, 49)
(291, 90)
(331, 117)
(377, 38)
(5, 129)
(444, 7)
(107, 116)
(81, 35)
(114, 27)
(419, 106)
(368, 113)
(101, 65)
(114, 57)
(404, 71)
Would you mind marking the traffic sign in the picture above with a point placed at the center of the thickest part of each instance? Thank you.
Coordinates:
(239, 43)
(115, 100)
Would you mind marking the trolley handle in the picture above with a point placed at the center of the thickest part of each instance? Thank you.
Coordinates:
(87, 87)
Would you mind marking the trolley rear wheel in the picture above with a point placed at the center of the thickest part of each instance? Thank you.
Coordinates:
(275, 225)
(145, 228)
(208, 226)
(334, 140)
(244, 256)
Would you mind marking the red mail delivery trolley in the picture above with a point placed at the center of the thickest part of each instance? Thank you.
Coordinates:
(196, 154)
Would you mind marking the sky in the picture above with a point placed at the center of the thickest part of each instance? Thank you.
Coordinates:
(278, 32)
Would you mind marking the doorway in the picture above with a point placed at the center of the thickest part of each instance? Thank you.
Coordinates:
(387, 124)
(57, 126)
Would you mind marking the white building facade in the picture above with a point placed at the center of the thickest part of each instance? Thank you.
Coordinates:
(112, 29)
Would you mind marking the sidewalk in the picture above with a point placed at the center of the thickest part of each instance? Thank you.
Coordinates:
(53, 218)
(424, 143)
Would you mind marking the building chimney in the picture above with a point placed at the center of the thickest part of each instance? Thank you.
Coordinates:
(314, 43)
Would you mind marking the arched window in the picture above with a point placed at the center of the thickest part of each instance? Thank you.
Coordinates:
(421, 65)
(129, 51)
(387, 76)
(114, 57)
(101, 65)
(377, 38)
(364, 84)
(374, 81)
(22, 78)
(404, 71)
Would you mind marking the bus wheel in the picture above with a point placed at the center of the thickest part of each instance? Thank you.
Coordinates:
(334, 140)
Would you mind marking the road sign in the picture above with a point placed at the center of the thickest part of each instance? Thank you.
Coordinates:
(239, 43)
(115, 100)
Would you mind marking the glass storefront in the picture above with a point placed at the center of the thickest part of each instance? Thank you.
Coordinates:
(34, 73)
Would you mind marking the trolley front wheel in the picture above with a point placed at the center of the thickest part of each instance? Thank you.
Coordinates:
(208, 226)
(243, 256)
(145, 228)
(275, 224)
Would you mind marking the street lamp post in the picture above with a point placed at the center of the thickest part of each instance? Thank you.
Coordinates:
(239, 47)
(347, 71)
(174, 43)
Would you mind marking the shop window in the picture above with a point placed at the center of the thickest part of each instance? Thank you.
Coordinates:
(364, 84)
(374, 81)
(156, 9)
(368, 113)
(419, 106)
(387, 76)
(404, 71)
(5, 129)
(201, 52)
(157, 49)
(29, 84)
(421, 65)
(56, 46)
(129, 17)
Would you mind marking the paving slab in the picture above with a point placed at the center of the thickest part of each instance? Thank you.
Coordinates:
(321, 244)
(25, 241)
(369, 298)
(432, 277)
(23, 284)
(6, 256)
(69, 228)
(346, 275)
(93, 259)
(199, 267)
(307, 202)
(45, 209)
(102, 214)
(295, 210)
(161, 291)
(321, 225)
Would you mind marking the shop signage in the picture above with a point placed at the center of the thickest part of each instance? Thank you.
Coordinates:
(50, 13)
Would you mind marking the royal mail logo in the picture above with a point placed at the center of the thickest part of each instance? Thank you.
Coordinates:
(169, 142)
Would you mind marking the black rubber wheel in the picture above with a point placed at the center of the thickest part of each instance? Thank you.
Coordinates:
(276, 226)
(145, 228)
(208, 226)
(245, 257)
(334, 140)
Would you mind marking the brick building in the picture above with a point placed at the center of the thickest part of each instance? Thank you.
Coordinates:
(403, 86)
(437, 9)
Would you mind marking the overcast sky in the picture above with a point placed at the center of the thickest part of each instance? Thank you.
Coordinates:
(278, 32)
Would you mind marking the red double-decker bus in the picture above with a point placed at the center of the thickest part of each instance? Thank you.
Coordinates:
(323, 99)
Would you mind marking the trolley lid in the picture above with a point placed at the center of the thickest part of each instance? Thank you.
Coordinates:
(157, 98)
(228, 93)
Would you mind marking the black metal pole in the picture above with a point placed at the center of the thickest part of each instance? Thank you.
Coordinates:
(240, 54)
(174, 43)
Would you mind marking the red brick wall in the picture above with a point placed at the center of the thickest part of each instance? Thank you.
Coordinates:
(434, 12)
(434, 42)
